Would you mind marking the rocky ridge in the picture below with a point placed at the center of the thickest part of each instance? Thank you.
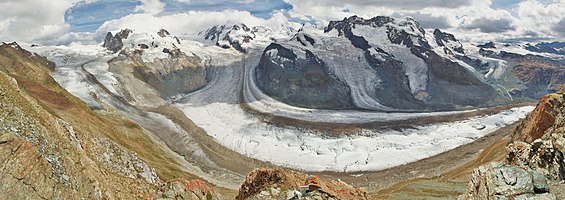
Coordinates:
(54, 147)
(534, 165)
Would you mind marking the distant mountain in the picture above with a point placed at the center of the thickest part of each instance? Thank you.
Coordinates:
(380, 63)
(552, 47)
(241, 37)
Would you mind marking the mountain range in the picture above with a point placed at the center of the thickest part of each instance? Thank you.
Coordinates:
(154, 115)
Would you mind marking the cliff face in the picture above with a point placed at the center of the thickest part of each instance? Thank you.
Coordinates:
(542, 118)
(534, 164)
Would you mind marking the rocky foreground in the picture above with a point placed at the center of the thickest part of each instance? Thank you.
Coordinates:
(534, 165)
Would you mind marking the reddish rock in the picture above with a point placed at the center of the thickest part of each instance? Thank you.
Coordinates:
(543, 117)
(313, 182)
(267, 180)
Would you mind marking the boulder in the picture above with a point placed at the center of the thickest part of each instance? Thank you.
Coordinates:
(500, 181)
(285, 184)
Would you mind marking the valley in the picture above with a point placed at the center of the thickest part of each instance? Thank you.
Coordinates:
(379, 108)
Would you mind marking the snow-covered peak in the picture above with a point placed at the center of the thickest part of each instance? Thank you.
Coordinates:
(381, 28)
(308, 36)
(448, 42)
(242, 37)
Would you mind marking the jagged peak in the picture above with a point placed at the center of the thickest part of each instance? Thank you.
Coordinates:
(443, 36)
(448, 41)
(488, 45)
(13, 44)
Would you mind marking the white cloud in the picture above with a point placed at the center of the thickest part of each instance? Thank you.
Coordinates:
(150, 6)
(559, 28)
(216, 1)
(539, 17)
(33, 20)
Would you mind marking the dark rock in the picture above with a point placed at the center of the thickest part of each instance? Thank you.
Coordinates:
(143, 46)
(163, 33)
(177, 39)
(395, 35)
(488, 45)
(303, 82)
(443, 37)
(114, 43)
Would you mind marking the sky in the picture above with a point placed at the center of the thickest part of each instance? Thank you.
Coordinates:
(67, 21)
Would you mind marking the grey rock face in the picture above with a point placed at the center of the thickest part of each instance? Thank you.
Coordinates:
(114, 43)
(452, 84)
(177, 74)
(541, 156)
(443, 38)
(300, 81)
(501, 181)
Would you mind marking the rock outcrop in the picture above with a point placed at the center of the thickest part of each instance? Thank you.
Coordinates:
(539, 75)
(501, 181)
(542, 118)
(115, 43)
(525, 76)
(148, 82)
(448, 41)
(534, 161)
(284, 184)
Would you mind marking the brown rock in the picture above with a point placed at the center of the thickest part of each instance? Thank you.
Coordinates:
(537, 122)
(279, 183)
